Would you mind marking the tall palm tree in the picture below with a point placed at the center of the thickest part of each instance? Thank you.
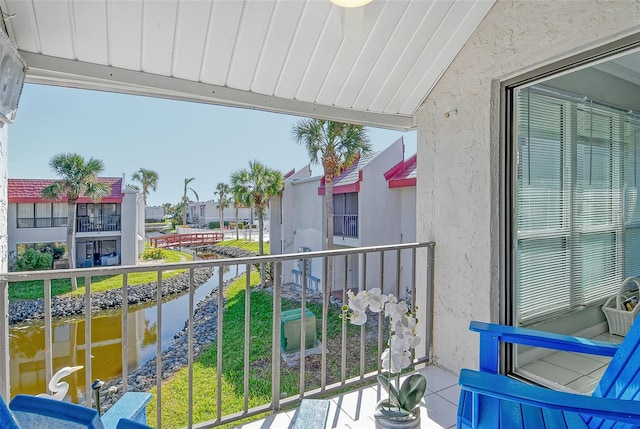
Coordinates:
(336, 146)
(253, 187)
(185, 198)
(78, 178)
(236, 206)
(148, 179)
(222, 191)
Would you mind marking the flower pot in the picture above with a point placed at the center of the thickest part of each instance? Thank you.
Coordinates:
(412, 421)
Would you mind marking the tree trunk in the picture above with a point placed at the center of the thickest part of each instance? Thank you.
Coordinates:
(261, 245)
(328, 194)
(237, 229)
(71, 238)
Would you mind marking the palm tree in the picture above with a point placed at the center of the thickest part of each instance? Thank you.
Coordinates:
(78, 178)
(185, 199)
(336, 146)
(236, 206)
(222, 191)
(253, 187)
(148, 179)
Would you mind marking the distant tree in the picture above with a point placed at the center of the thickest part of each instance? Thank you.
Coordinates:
(222, 191)
(336, 146)
(78, 178)
(148, 179)
(185, 198)
(253, 187)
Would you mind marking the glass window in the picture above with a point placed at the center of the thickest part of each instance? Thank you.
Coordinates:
(25, 215)
(577, 223)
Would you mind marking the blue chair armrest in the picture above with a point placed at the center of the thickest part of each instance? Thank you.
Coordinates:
(505, 388)
(35, 412)
(130, 424)
(491, 335)
(131, 406)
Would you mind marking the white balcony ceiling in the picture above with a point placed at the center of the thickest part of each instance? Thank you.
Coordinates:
(372, 65)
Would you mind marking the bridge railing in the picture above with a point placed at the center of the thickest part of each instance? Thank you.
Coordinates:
(179, 240)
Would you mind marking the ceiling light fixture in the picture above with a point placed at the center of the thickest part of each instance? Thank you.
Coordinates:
(350, 3)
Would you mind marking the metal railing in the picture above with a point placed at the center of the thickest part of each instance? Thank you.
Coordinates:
(98, 223)
(392, 267)
(345, 225)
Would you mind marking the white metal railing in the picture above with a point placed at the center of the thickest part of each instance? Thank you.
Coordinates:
(391, 267)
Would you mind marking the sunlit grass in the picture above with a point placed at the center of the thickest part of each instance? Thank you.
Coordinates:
(35, 289)
(175, 392)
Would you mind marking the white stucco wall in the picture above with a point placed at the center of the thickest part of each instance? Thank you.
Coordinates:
(458, 180)
(4, 197)
(132, 227)
(31, 235)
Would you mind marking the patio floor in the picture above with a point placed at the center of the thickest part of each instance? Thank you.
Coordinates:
(354, 410)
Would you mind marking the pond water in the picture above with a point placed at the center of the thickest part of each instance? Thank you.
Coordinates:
(26, 342)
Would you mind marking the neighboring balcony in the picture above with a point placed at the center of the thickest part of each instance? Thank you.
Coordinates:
(98, 223)
(345, 225)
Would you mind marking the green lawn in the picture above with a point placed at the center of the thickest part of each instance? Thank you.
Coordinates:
(174, 392)
(35, 289)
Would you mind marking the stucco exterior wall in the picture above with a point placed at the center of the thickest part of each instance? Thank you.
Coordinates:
(31, 235)
(4, 197)
(458, 180)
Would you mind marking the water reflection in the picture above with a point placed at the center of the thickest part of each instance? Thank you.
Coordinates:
(27, 344)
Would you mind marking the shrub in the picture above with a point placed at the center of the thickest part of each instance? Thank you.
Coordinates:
(154, 254)
(33, 260)
(214, 225)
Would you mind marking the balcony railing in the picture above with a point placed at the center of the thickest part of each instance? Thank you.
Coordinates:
(98, 223)
(42, 222)
(345, 225)
(392, 267)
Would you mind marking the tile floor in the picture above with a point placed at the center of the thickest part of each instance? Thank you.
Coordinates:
(571, 371)
(354, 410)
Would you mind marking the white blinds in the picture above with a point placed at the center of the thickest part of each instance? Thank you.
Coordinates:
(577, 222)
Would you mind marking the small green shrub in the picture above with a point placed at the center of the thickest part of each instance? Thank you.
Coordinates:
(214, 225)
(33, 260)
(154, 254)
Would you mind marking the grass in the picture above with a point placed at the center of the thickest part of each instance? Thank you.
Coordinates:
(35, 289)
(174, 392)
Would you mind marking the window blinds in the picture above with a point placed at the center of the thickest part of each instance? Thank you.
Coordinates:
(577, 223)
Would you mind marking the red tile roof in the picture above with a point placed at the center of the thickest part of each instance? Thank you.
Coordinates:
(28, 191)
(403, 174)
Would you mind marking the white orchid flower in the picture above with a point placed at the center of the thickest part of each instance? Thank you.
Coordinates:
(358, 308)
(376, 299)
(394, 361)
(396, 311)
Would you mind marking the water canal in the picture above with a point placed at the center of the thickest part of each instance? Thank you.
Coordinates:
(27, 356)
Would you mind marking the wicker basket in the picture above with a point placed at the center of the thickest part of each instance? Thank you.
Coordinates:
(619, 318)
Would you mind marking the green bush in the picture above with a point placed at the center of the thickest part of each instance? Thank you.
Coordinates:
(33, 260)
(154, 254)
(214, 225)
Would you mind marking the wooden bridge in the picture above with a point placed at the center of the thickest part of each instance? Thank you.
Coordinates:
(179, 240)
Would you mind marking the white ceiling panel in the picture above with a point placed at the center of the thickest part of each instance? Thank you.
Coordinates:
(191, 36)
(90, 35)
(308, 33)
(277, 45)
(159, 19)
(256, 17)
(223, 29)
(378, 40)
(372, 65)
(54, 28)
(124, 23)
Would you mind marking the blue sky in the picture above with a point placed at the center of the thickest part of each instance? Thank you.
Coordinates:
(176, 139)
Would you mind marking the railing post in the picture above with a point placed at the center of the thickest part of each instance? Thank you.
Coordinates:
(275, 350)
(5, 371)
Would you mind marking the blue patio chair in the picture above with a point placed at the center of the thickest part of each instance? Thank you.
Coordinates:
(32, 412)
(495, 401)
